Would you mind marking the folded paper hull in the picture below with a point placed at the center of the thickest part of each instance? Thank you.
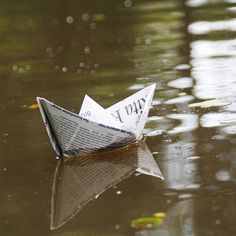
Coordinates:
(96, 128)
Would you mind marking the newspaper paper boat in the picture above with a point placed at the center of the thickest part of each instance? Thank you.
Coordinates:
(96, 128)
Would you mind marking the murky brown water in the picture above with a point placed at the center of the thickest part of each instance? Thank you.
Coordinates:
(109, 49)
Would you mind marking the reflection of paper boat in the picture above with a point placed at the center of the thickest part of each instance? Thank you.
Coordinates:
(80, 180)
(96, 128)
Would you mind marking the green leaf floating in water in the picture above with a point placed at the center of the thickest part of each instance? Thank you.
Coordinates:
(147, 222)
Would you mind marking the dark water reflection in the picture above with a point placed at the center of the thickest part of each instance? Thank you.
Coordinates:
(78, 181)
(109, 49)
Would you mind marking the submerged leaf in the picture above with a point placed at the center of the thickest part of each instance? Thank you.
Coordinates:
(99, 17)
(159, 214)
(33, 106)
(146, 222)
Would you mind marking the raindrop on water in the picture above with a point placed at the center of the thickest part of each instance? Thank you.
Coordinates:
(81, 64)
(55, 21)
(117, 227)
(64, 69)
(128, 3)
(60, 48)
(79, 71)
(148, 41)
(57, 67)
(87, 49)
(51, 55)
(49, 50)
(28, 67)
(69, 19)
(85, 16)
(21, 70)
(93, 26)
(14, 67)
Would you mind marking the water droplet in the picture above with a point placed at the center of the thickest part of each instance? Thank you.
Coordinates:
(87, 49)
(51, 55)
(55, 21)
(4, 169)
(79, 71)
(69, 19)
(117, 227)
(128, 3)
(14, 67)
(28, 67)
(21, 70)
(64, 69)
(49, 50)
(85, 16)
(93, 26)
(118, 192)
(81, 64)
(148, 41)
(57, 67)
(96, 65)
(60, 48)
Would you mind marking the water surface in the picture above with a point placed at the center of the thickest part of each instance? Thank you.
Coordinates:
(61, 50)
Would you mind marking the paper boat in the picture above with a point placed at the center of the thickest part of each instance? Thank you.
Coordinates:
(96, 128)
